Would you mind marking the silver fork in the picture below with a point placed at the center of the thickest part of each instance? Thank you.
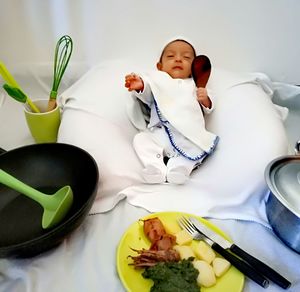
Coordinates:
(241, 265)
(186, 224)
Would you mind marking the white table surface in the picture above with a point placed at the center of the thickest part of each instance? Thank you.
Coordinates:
(85, 261)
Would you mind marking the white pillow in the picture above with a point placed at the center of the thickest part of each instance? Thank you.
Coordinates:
(250, 129)
(94, 118)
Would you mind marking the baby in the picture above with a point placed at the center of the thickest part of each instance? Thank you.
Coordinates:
(175, 140)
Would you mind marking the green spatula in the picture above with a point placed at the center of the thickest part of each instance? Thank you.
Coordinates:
(14, 90)
(55, 206)
(20, 96)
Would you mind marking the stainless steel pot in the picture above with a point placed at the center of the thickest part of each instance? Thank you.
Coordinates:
(283, 205)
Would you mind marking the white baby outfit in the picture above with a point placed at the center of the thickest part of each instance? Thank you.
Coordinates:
(173, 127)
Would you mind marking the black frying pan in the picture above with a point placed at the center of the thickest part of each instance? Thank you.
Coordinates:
(46, 167)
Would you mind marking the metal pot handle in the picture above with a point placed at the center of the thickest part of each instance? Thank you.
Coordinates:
(297, 148)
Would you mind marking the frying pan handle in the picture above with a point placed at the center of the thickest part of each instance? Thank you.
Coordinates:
(297, 147)
(2, 151)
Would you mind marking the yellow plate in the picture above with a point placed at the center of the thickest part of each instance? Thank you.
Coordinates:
(134, 237)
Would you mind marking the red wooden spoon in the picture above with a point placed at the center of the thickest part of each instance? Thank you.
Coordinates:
(201, 68)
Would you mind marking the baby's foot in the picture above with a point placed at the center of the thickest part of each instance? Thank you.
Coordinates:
(177, 175)
(153, 175)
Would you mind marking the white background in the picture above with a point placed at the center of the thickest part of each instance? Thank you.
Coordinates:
(242, 35)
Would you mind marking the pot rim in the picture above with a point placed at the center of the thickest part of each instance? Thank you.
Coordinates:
(271, 169)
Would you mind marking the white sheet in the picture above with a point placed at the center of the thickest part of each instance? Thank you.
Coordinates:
(85, 261)
(230, 184)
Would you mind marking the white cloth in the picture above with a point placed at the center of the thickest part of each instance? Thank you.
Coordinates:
(152, 146)
(234, 175)
(230, 184)
(86, 260)
(177, 103)
(93, 121)
(162, 94)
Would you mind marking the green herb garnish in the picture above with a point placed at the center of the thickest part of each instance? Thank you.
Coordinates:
(173, 276)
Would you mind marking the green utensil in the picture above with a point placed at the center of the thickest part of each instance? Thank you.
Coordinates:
(55, 206)
(63, 52)
(7, 76)
(12, 84)
(20, 96)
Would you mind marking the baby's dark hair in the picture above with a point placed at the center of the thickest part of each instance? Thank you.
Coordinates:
(177, 40)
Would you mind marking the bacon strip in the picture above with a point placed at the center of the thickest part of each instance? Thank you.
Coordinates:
(148, 258)
(154, 229)
(161, 249)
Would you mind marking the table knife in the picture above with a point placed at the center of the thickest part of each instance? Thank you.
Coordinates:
(254, 262)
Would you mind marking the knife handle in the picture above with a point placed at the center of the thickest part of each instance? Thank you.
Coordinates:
(241, 266)
(261, 267)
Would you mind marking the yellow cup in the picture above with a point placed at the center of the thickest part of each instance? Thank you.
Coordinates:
(43, 126)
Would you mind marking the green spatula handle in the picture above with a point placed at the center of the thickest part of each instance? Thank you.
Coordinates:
(21, 187)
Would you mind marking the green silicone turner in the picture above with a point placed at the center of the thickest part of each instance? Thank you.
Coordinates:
(55, 206)
(12, 83)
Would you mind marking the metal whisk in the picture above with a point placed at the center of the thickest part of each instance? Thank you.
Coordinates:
(63, 52)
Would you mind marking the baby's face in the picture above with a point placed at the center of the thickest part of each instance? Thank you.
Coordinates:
(177, 60)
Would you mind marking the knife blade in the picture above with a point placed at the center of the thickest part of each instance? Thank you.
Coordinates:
(220, 240)
(254, 262)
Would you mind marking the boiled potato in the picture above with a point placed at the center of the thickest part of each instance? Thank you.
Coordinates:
(183, 237)
(220, 266)
(171, 227)
(204, 252)
(184, 251)
(206, 277)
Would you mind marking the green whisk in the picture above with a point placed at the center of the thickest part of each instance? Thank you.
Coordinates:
(63, 52)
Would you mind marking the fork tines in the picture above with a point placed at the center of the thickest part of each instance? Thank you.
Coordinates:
(185, 223)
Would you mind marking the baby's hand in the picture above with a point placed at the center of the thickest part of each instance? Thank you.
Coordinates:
(202, 97)
(134, 82)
